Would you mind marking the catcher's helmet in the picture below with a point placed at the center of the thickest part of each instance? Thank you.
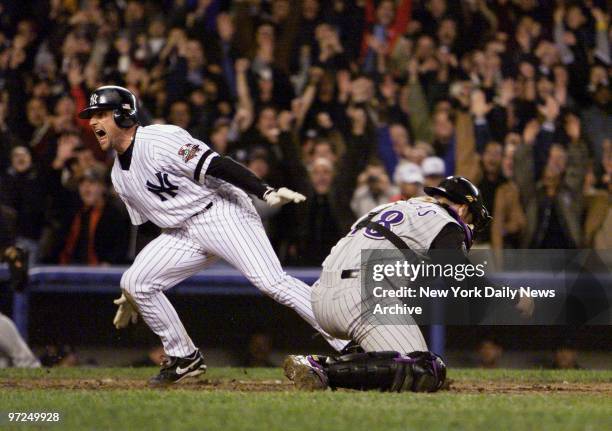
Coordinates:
(460, 190)
(113, 98)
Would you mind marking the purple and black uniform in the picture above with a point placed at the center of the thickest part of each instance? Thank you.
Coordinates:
(337, 302)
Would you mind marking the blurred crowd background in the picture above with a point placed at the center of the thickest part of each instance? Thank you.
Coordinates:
(352, 102)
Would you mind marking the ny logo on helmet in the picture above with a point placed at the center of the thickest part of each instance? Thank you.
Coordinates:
(93, 100)
(165, 186)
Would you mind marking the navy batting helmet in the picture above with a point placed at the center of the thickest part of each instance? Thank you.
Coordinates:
(113, 98)
(460, 190)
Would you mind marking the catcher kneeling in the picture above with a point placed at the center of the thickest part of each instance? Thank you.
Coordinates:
(391, 357)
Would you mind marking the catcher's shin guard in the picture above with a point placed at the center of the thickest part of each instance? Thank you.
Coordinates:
(428, 371)
(387, 371)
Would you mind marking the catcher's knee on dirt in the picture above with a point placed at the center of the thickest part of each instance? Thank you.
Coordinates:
(387, 371)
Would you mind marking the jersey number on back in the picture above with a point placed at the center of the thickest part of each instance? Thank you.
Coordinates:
(164, 188)
(387, 219)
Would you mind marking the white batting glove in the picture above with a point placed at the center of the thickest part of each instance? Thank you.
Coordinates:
(126, 313)
(282, 196)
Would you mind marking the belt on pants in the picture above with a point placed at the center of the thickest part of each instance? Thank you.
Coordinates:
(349, 273)
(329, 278)
(206, 208)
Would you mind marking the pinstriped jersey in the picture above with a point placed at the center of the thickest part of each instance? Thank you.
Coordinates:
(165, 181)
(417, 221)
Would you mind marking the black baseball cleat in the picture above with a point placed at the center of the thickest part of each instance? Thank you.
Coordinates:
(175, 369)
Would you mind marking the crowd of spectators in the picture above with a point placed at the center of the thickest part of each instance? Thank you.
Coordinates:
(353, 103)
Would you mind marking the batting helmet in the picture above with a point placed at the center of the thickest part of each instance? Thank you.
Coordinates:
(460, 190)
(113, 98)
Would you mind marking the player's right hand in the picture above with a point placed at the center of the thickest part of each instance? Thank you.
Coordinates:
(126, 313)
(282, 196)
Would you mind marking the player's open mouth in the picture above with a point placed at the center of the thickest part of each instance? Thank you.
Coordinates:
(100, 135)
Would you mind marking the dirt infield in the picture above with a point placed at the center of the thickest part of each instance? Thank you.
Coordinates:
(492, 387)
(504, 387)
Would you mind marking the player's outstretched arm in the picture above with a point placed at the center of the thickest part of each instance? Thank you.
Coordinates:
(234, 173)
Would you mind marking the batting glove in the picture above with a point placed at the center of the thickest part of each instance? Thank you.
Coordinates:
(282, 196)
(126, 313)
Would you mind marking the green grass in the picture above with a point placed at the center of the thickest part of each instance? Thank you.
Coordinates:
(532, 375)
(535, 376)
(189, 409)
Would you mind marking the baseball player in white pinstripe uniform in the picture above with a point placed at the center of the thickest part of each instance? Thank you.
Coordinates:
(198, 198)
(394, 356)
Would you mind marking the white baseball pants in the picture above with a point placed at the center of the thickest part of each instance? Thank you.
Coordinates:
(231, 230)
(337, 305)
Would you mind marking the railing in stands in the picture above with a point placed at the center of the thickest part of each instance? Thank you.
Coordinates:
(217, 280)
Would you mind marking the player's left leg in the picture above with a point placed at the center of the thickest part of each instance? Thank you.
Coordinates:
(395, 356)
(389, 333)
(339, 307)
(232, 230)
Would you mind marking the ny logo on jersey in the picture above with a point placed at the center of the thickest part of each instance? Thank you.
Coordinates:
(165, 186)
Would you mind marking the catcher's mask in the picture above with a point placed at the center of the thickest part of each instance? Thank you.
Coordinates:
(461, 191)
